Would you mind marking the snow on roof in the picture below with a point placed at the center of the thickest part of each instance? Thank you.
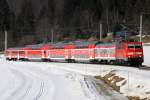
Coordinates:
(80, 44)
(35, 46)
(16, 48)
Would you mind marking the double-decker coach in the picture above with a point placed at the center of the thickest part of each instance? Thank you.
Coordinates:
(84, 51)
(57, 52)
(12, 53)
(122, 52)
(34, 52)
(105, 52)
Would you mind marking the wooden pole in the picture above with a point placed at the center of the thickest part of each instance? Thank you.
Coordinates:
(141, 19)
(100, 33)
(5, 43)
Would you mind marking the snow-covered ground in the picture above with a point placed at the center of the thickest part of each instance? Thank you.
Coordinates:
(63, 81)
(21, 81)
(46, 81)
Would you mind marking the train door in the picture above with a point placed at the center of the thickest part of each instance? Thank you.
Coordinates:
(68, 54)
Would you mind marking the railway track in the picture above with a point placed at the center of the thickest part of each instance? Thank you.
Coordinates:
(144, 67)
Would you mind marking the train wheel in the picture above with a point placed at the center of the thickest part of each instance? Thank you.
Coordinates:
(45, 60)
(24, 59)
(117, 62)
(112, 62)
(69, 60)
(49, 60)
(8, 59)
(105, 61)
(133, 64)
(14, 59)
(93, 61)
(138, 64)
(73, 61)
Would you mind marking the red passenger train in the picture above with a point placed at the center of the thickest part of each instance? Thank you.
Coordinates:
(130, 53)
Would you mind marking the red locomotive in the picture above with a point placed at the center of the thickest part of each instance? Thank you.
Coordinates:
(130, 53)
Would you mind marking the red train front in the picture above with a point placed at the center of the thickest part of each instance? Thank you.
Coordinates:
(133, 53)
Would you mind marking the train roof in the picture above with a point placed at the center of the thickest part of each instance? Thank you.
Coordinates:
(46, 46)
(59, 45)
(15, 48)
(84, 44)
(76, 44)
(35, 46)
(105, 43)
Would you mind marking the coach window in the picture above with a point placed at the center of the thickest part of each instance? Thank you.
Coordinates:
(21, 52)
(138, 46)
(131, 46)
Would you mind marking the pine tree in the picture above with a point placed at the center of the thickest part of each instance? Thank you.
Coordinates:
(25, 20)
(4, 15)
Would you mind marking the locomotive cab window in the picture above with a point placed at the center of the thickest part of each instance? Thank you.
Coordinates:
(138, 46)
(134, 46)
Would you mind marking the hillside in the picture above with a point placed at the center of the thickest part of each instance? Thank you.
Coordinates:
(32, 21)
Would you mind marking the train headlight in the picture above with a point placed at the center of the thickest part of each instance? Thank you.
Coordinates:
(130, 53)
(139, 53)
(140, 56)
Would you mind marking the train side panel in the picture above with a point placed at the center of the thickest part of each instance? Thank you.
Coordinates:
(34, 54)
(22, 54)
(57, 54)
(105, 52)
(82, 54)
(121, 52)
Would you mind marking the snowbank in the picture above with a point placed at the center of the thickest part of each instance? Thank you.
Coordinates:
(136, 81)
(146, 55)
